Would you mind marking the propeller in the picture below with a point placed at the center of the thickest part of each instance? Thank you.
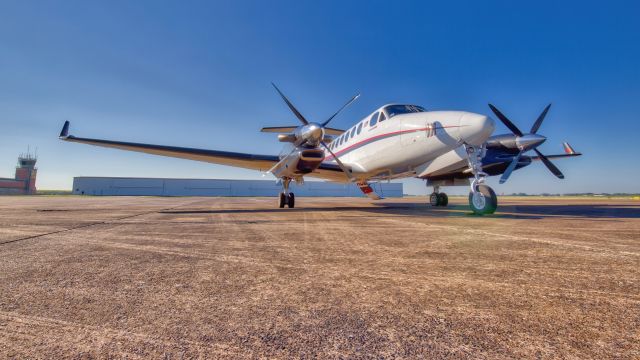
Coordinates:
(526, 142)
(302, 119)
(340, 110)
(312, 133)
(290, 105)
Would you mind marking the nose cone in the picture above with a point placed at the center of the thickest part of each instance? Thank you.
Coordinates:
(529, 141)
(475, 129)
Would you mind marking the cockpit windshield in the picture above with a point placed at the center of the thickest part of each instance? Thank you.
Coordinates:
(394, 110)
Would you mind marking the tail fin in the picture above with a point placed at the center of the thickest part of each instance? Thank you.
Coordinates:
(65, 130)
(568, 149)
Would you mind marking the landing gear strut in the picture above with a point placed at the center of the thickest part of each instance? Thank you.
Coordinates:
(482, 198)
(286, 197)
(438, 198)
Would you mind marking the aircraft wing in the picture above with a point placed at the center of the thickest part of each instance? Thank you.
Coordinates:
(248, 161)
(326, 171)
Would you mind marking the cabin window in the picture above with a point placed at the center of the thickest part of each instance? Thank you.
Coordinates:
(359, 128)
(353, 132)
(374, 119)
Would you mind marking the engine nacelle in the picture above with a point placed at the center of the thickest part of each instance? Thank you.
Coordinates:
(299, 162)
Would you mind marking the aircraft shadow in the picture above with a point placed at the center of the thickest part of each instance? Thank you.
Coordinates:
(420, 209)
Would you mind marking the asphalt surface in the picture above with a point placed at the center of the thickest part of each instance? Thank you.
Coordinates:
(146, 277)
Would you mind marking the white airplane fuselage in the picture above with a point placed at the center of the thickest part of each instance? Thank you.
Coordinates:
(399, 146)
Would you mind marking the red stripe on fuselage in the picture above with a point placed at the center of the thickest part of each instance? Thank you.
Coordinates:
(373, 138)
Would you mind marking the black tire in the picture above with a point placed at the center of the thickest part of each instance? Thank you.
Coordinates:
(283, 199)
(434, 200)
(487, 204)
(291, 201)
(443, 199)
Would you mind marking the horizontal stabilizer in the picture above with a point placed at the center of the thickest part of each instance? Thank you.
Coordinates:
(332, 131)
(278, 129)
(557, 156)
(289, 129)
(568, 152)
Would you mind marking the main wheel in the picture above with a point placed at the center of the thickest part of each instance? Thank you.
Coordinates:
(291, 202)
(434, 200)
(483, 201)
(443, 199)
(283, 199)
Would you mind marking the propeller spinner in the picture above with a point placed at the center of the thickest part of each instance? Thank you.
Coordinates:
(526, 142)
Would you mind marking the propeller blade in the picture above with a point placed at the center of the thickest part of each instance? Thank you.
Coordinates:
(514, 129)
(538, 122)
(549, 165)
(342, 108)
(340, 164)
(290, 105)
(278, 129)
(510, 168)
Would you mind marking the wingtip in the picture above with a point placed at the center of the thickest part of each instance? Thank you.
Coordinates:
(65, 130)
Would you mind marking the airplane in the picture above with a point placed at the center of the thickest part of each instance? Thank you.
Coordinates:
(446, 148)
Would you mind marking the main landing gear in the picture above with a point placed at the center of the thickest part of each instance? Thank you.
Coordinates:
(438, 198)
(482, 198)
(287, 198)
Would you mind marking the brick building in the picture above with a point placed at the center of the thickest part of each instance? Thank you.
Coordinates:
(24, 182)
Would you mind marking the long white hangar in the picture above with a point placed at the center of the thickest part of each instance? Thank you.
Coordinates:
(123, 186)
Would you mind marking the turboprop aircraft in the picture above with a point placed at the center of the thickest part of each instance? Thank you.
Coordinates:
(394, 141)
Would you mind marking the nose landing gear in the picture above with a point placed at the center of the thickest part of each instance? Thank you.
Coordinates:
(482, 198)
(286, 198)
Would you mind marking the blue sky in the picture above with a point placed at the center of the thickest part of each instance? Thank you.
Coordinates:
(198, 74)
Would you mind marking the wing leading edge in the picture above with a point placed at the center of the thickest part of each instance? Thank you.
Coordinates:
(263, 163)
(248, 161)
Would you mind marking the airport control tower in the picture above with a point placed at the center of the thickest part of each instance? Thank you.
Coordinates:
(24, 181)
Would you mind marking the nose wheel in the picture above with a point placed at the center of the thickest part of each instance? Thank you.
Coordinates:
(482, 199)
